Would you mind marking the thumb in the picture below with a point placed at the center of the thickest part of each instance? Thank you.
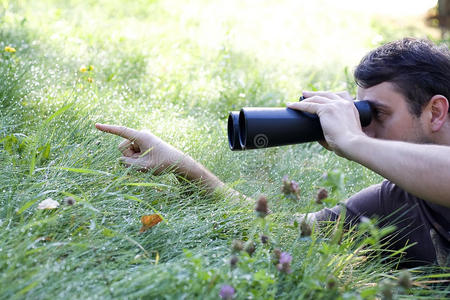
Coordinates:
(128, 161)
(324, 144)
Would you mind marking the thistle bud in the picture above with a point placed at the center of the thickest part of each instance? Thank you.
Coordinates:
(290, 188)
(285, 188)
(276, 256)
(321, 194)
(305, 228)
(262, 208)
(69, 201)
(250, 247)
(237, 245)
(277, 253)
(331, 282)
(264, 239)
(233, 261)
(386, 287)
(404, 279)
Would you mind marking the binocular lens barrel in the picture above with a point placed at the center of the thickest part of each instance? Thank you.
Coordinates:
(233, 131)
(262, 127)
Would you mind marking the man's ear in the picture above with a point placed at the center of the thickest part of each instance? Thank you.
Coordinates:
(438, 107)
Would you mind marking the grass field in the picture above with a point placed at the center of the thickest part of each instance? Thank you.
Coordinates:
(177, 68)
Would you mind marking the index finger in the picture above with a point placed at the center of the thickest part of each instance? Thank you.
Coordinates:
(345, 95)
(125, 132)
(310, 107)
(325, 94)
(331, 95)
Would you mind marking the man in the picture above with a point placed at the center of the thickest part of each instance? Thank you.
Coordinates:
(408, 84)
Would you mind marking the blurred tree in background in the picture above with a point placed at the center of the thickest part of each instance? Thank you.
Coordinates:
(440, 16)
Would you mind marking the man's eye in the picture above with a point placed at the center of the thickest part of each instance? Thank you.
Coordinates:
(378, 114)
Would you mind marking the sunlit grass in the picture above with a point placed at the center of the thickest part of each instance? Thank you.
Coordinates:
(175, 68)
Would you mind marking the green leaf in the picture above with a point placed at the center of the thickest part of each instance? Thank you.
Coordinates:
(44, 151)
(28, 287)
(263, 278)
(26, 206)
(187, 253)
(369, 293)
(9, 142)
(149, 184)
(108, 232)
(84, 171)
(33, 162)
(40, 222)
(58, 113)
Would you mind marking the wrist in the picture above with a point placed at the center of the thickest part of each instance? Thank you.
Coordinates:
(353, 146)
(194, 171)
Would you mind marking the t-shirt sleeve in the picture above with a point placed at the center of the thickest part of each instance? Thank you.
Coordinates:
(360, 204)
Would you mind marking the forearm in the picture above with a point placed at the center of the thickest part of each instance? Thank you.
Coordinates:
(421, 169)
(196, 172)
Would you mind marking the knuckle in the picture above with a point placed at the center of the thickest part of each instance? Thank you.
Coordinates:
(122, 129)
(145, 132)
(347, 104)
(327, 109)
(313, 98)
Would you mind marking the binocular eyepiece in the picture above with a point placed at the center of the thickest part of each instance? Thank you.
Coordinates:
(263, 127)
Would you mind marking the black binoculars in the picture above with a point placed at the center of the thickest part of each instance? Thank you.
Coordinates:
(263, 127)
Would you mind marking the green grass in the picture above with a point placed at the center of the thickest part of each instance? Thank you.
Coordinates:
(175, 68)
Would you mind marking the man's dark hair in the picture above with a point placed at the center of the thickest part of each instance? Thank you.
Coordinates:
(418, 68)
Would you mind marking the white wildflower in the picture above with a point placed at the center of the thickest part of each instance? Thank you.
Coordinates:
(48, 203)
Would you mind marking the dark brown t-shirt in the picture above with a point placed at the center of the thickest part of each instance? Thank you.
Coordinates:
(412, 216)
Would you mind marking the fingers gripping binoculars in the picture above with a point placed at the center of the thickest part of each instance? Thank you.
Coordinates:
(263, 127)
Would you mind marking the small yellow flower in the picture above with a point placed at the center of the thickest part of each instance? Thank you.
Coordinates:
(83, 69)
(10, 49)
(91, 68)
(90, 80)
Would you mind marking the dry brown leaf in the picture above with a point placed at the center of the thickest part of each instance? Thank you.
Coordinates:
(149, 221)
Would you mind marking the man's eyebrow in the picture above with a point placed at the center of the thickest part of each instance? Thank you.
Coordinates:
(378, 105)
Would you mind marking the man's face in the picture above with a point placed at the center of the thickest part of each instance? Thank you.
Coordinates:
(392, 119)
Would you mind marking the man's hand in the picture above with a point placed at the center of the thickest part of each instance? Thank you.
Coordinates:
(150, 153)
(420, 169)
(339, 118)
(143, 149)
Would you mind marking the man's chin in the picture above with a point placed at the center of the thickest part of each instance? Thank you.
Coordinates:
(422, 140)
